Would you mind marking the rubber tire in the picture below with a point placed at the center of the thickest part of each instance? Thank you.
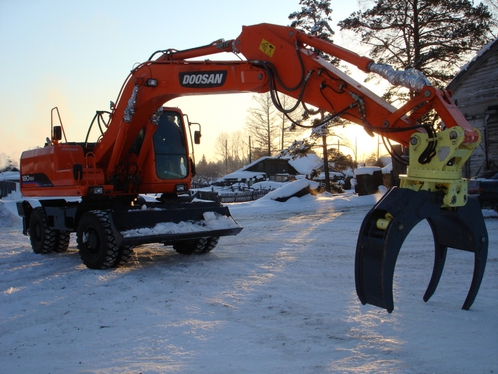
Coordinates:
(62, 241)
(211, 244)
(43, 239)
(96, 242)
(124, 255)
(189, 247)
(196, 246)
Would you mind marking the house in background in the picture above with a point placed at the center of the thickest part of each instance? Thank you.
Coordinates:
(475, 90)
(278, 169)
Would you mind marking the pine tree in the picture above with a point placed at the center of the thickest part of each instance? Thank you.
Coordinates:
(433, 36)
(314, 18)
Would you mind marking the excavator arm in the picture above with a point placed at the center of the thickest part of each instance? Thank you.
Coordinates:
(277, 59)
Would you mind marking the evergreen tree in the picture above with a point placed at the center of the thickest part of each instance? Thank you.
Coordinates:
(314, 18)
(341, 161)
(433, 36)
(493, 8)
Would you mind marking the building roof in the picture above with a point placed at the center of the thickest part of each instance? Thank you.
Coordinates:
(303, 165)
(244, 174)
(306, 164)
(479, 59)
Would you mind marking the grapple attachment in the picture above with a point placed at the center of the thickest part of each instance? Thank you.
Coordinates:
(387, 225)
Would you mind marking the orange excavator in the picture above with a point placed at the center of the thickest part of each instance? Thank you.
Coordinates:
(145, 148)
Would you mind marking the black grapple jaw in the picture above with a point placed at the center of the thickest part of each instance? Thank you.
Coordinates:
(389, 222)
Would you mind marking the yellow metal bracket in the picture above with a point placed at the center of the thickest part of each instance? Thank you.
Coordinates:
(444, 170)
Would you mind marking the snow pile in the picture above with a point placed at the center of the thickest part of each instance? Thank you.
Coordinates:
(212, 221)
(291, 189)
(10, 176)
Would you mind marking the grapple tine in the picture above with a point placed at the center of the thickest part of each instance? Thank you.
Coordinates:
(440, 252)
(387, 225)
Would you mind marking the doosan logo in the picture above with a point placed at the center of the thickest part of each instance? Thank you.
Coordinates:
(204, 79)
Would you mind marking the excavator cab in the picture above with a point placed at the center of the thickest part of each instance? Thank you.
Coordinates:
(170, 148)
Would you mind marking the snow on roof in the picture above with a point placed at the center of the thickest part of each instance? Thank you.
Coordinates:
(387, 169)
(483, 50)
(472, 64)
(367, 170)
(244, 174)
(305, 164)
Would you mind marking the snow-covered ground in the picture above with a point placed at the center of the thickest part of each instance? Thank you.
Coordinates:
(278, 298)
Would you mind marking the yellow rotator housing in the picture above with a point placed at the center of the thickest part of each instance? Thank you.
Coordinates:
(444, 170)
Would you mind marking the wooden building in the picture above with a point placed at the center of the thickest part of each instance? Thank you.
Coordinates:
(475, 90)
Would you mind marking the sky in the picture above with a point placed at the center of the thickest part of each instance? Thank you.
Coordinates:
(75, 55)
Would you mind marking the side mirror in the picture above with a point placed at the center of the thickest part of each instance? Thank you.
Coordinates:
(56, 133)
(197, 137)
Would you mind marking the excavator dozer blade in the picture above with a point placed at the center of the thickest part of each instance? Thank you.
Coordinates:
(387, 225)
(172, 222)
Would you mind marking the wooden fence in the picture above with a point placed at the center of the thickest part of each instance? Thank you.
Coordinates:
(6, 187)
(232, 197)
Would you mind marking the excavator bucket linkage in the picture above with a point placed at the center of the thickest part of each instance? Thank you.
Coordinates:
(387, 225)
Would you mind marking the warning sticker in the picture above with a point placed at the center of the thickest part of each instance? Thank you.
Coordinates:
(267, 48)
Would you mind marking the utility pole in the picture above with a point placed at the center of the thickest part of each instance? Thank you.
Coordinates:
(326, 162)
(250, 150)
(283, 131)
(226, 156)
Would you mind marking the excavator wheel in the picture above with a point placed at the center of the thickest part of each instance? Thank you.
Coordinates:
(211, 243)
(124, 255)
(96, 241)
(44, 239)
(62, 242)
(196, 246)
(190, 247)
